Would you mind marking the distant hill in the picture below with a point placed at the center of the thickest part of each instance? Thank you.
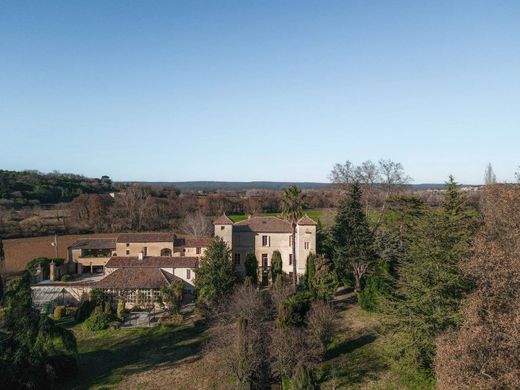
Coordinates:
(259, 185)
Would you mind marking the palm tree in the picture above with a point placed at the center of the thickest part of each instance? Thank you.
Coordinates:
(292, 210)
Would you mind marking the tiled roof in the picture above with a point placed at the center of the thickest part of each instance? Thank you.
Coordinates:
(306, 220)
(263, 225)
(192, 242)
(146, 237)
(152, 262)
(137, 278)
(223, 220)
(94, 243)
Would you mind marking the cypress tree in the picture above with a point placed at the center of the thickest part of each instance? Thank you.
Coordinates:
(276, 265)
(353, 241)
(251, 268)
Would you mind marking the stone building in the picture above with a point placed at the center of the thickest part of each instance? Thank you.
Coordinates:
(264, 235)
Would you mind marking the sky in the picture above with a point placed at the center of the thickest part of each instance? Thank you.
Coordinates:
(259, 90)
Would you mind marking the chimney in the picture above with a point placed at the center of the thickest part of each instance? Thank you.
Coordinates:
(140, 256)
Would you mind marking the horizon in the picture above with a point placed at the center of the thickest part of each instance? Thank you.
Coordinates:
(271, 91)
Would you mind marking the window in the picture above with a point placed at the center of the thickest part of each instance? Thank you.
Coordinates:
(145, 251)
(290, 258)
(264, 260)
(166, 252)
(265, 241)
(197, 251)
(127, 244)
(306, 245)
(188, 274)
(222, 227)
(290, 241)
(114, 254)
(237, 258)
(127, 252)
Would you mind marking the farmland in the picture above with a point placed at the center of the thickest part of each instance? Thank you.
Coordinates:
(19, 251)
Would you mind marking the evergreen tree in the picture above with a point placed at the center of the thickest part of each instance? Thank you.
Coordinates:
(310, 270)
(324, 245)
(353, 241)
(28, 349)
(216, 274)
(276, 265)
(324, 282)
(251, 268)
(430, 284)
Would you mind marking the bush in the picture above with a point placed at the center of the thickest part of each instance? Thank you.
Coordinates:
(66, 278)
(84, 311)
(294, 309)
(59, 312)
(368, 297)
(120, 310)
(98, 321)
(70, 311)
(176, 319)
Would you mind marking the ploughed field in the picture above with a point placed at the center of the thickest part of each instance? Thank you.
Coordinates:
(19, 251)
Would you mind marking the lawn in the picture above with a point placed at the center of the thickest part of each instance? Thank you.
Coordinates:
(107, 357)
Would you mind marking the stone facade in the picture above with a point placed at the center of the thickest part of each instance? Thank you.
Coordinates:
(265, 235)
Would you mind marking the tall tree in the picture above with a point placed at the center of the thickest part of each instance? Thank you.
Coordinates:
(430, 284)
(197, 225)
(216, 274)
(489, 175)
(353, 241)
(292, 209)
(27, 348)
(487, 342)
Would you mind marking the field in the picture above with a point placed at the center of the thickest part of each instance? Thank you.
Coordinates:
(314, 214)
(172, 357)
(19, 251)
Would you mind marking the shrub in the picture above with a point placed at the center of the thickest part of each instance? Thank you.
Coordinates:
(176, 319)
(70, 311)
(120, 310)
(294, 309)
(99, 320)
(84, 311)
(66, 278)
(59, 312)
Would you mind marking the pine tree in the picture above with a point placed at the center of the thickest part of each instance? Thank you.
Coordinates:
(216, 274)
(251, 268)
(310, 270)
(353, 241)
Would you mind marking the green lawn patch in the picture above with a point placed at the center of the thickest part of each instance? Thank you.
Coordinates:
(314, 214)
(107, 357)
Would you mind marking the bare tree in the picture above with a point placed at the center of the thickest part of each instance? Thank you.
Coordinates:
(489, 175)
(197, 225)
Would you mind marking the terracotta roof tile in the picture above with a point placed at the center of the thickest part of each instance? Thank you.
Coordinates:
(223, 220)
(136, 278)
(306, 220)
(146, 237)
(152, 262)
(263, 225)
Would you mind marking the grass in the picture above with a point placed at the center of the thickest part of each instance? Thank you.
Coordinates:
(107, 357)
(357, 359)
(314, 214)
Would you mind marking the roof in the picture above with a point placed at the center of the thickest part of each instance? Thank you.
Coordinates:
(223, 220)
(306, 220)
(263, 225)
(137, 278)
(152, 262)
(94, 243)
(146, 237)
(192, 242)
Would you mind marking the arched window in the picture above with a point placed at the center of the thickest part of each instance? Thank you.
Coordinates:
(166, 252)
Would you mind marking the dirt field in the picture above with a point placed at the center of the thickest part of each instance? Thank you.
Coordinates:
(19, 251)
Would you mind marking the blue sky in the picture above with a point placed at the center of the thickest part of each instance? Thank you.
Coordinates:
(259, 90)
